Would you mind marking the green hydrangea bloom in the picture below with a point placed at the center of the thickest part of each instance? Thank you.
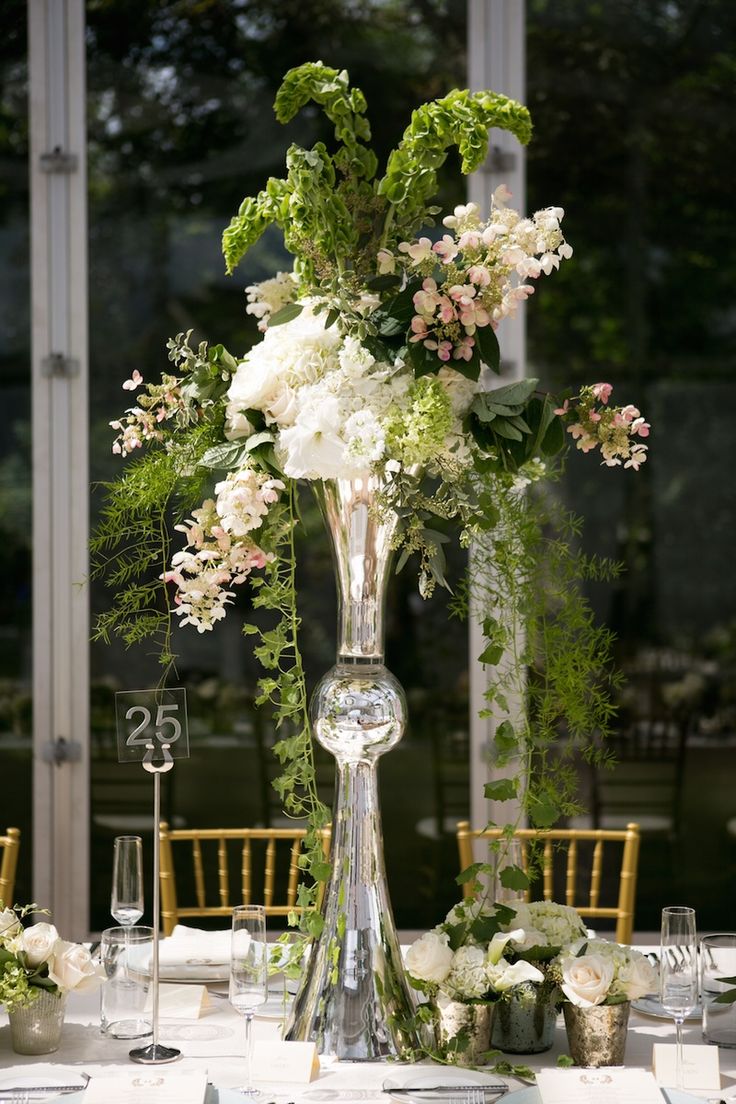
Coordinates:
(417, 434)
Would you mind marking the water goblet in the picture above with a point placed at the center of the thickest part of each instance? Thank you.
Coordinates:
(678, 971)
(248, 975)
(126, 899)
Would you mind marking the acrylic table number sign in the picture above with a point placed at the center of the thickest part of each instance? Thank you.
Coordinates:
(152, 730)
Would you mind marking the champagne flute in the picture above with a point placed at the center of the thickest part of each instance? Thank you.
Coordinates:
(678, 971)
(248, 975)
(126, 900)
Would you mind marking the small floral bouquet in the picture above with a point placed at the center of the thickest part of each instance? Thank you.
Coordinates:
(526, 1016)
(35, 960)
(462, 962)
(595, 971)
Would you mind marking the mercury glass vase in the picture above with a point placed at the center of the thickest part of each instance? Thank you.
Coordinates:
(525, 1019)
(475, 1021)
(597, 1036)
(36, 1028)
(354, 1000)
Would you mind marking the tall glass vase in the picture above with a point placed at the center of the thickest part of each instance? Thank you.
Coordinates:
(354, 1000)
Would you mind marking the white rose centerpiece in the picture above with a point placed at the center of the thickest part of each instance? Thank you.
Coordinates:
(461, 968)
(35, 961)
(596, 971)
(598, 980)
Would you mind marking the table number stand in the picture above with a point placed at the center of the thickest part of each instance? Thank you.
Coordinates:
(147, 737)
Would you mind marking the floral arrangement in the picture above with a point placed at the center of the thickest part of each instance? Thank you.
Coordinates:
(547, 928)
(378, 356)
(596, 971)
(35, 959)
(471, 971)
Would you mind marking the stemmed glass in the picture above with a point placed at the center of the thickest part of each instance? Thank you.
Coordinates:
(678, 971)
(248, 974)
(126, 899)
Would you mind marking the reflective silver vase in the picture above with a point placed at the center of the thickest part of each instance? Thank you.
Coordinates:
(354, 1000)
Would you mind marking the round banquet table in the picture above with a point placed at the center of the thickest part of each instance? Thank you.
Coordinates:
(213, 1044)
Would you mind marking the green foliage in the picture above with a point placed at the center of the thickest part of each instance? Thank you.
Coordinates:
(333, 214)
(460, 119)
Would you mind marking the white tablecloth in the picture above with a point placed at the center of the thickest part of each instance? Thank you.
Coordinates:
(215, 1043)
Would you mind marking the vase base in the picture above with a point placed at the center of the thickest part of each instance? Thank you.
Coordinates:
(154, 1054)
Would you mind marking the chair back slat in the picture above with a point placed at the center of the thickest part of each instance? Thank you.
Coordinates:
(276, 871)
(572, 839)
(198, 872)
(572, 870)
(223, 874)
(9, 846)
(245, 872)
(269, 874)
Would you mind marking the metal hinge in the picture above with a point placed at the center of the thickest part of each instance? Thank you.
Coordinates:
(56, 364)
(61, 750)
(57, 161)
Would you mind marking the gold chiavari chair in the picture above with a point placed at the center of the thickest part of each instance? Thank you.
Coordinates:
(9, 846)
(212, 843)
(586, 899)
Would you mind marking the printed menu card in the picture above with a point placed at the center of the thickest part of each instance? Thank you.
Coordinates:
(607, 1085)
(147, 1087)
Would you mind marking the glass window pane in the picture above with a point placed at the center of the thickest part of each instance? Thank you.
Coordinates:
(180, 129)
(634, 125)
(15, 443)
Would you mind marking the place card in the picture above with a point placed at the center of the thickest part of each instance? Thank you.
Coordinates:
(181, 1002)
(607, 1085)
(147, 1087)
(285, 1061)
(700, 1069)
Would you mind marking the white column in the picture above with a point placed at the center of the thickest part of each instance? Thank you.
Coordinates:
(60, 461)
(496, 61)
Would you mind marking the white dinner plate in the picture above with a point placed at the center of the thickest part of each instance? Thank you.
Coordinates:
(449, 1075)
(531, 1096)
(650, 1006)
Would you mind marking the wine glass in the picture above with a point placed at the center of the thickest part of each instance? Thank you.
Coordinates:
(126, 900)
(678, 971)
(248, 974)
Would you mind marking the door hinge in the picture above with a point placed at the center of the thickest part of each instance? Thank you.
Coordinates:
(57, 161)
(58, 365)
(61, 750)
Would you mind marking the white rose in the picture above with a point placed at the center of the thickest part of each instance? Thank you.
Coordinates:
(72, 967)
(236, 423)
(586, 980)
(37, 943)
(283, 407)
(9, 925)
(637, 977)
(252, 386)
(430, 958)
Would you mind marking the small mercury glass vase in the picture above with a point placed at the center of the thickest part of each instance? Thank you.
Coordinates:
(354, 1000)
(525, 1019)
(474, 1021)
(35, 1028)
(597, 1036)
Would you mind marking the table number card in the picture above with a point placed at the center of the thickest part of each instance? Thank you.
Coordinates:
(285, 1061)
(152, 725)
(607, 1085)
(700, 1069)
(147, 1087)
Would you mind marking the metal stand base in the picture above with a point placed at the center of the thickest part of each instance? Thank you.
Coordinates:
(154, 1054)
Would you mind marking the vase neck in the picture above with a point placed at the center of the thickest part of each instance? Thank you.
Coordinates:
(361, 546)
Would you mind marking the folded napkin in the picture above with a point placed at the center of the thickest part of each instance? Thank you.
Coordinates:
(192, 952)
